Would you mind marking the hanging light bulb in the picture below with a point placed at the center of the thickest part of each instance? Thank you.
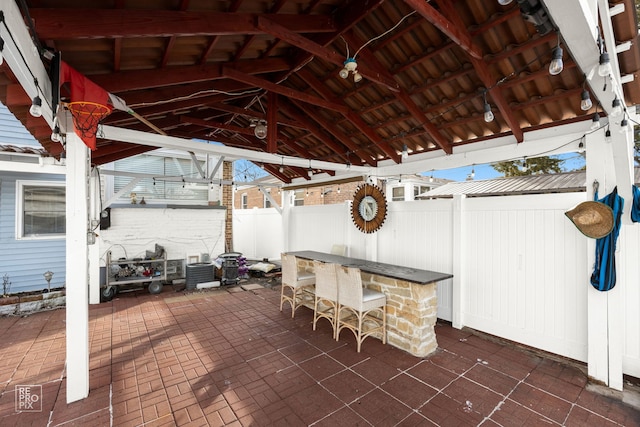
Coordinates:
(617, 107)
(1, 49)
(556, 65)
(504, 2)
(525, 167)
(36, 107)
(585, 103)
(607, 135)
(488, 114)
(604, 69)
(338, 189)
(431, 177)
(55, 135)
(344, 73)
(581, 147)
(624, 124)
(405, 152)
(281, 169)
(595, 121)
(260, 131)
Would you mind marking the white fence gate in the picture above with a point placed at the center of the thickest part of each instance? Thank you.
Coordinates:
(518, 263)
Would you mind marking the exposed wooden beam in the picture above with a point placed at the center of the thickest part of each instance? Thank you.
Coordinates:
(272, 122)
(273, 170)
(146, 79)
(285, 91)
(319, 51)
(411, 106)
(454, 32)
(485, 74)
(319, 133)
(73, 23)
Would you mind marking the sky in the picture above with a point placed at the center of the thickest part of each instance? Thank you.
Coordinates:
(572, 161)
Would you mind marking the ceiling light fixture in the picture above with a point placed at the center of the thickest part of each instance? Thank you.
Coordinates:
(36, 107)
(624, 124)
(604, 69)
(488, 114)
(55, 135)
(617, 107)
(595, 121)
(350, 64)
(556, 65)
(585, 103)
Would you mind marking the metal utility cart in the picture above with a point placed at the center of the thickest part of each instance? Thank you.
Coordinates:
(130, 272)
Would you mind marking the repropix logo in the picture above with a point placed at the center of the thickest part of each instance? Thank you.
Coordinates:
(28, 398)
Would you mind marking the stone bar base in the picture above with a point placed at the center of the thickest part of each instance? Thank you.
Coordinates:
(411, 311)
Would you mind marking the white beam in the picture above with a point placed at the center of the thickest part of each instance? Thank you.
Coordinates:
(77, 252)
(544, 142)
(231, 153)
(23, 58)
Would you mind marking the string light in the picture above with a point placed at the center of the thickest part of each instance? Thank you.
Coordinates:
(595, 121)
(585, 103)
(488, 114)
(624, 124)
(607, 135)
(1, 50)
(556, 65)
(617, 107)
(604, 67)
(405, 152)
(504, 2)
(55, 135)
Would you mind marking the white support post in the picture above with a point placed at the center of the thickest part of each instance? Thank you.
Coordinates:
(459, 255)
(77, 291)
(286, 217)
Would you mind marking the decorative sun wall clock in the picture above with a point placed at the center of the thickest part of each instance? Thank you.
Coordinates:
(369, 208)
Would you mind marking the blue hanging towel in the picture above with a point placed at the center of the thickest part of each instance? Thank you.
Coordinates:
(604, 273)
(635, 207)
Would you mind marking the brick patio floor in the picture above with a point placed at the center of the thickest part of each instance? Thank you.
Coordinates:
(230, 357)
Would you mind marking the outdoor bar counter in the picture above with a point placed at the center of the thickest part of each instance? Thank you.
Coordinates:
(411, 298)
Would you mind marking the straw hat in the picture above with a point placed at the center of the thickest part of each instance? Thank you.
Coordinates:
(593, 219)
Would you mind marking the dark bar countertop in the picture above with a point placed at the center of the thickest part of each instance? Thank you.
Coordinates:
(408, 274)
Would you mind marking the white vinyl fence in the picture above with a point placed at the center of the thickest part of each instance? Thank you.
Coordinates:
(519, 264)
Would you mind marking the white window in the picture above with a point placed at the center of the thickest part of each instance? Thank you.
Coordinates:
(245, 201)
(299, 198)
(157, 189)
(397, 194)
(419, 189)
(40, 210)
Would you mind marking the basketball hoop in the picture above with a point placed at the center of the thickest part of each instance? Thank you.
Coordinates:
(87, 116)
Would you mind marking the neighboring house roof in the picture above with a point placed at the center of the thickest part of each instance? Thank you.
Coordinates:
(22, 150)
(531, 184)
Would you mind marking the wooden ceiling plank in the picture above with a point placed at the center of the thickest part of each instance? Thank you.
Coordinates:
(485, 75)
(255, 114)
(321, 52)
(179, 75)
(272, 122)
(71, 23)
(273, 170)
(410, 105)
(284, 91)
(330, 127)
(318, 132)
(454, 32)
(354, 118)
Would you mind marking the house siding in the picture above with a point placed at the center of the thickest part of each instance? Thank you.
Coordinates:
(25, 261)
